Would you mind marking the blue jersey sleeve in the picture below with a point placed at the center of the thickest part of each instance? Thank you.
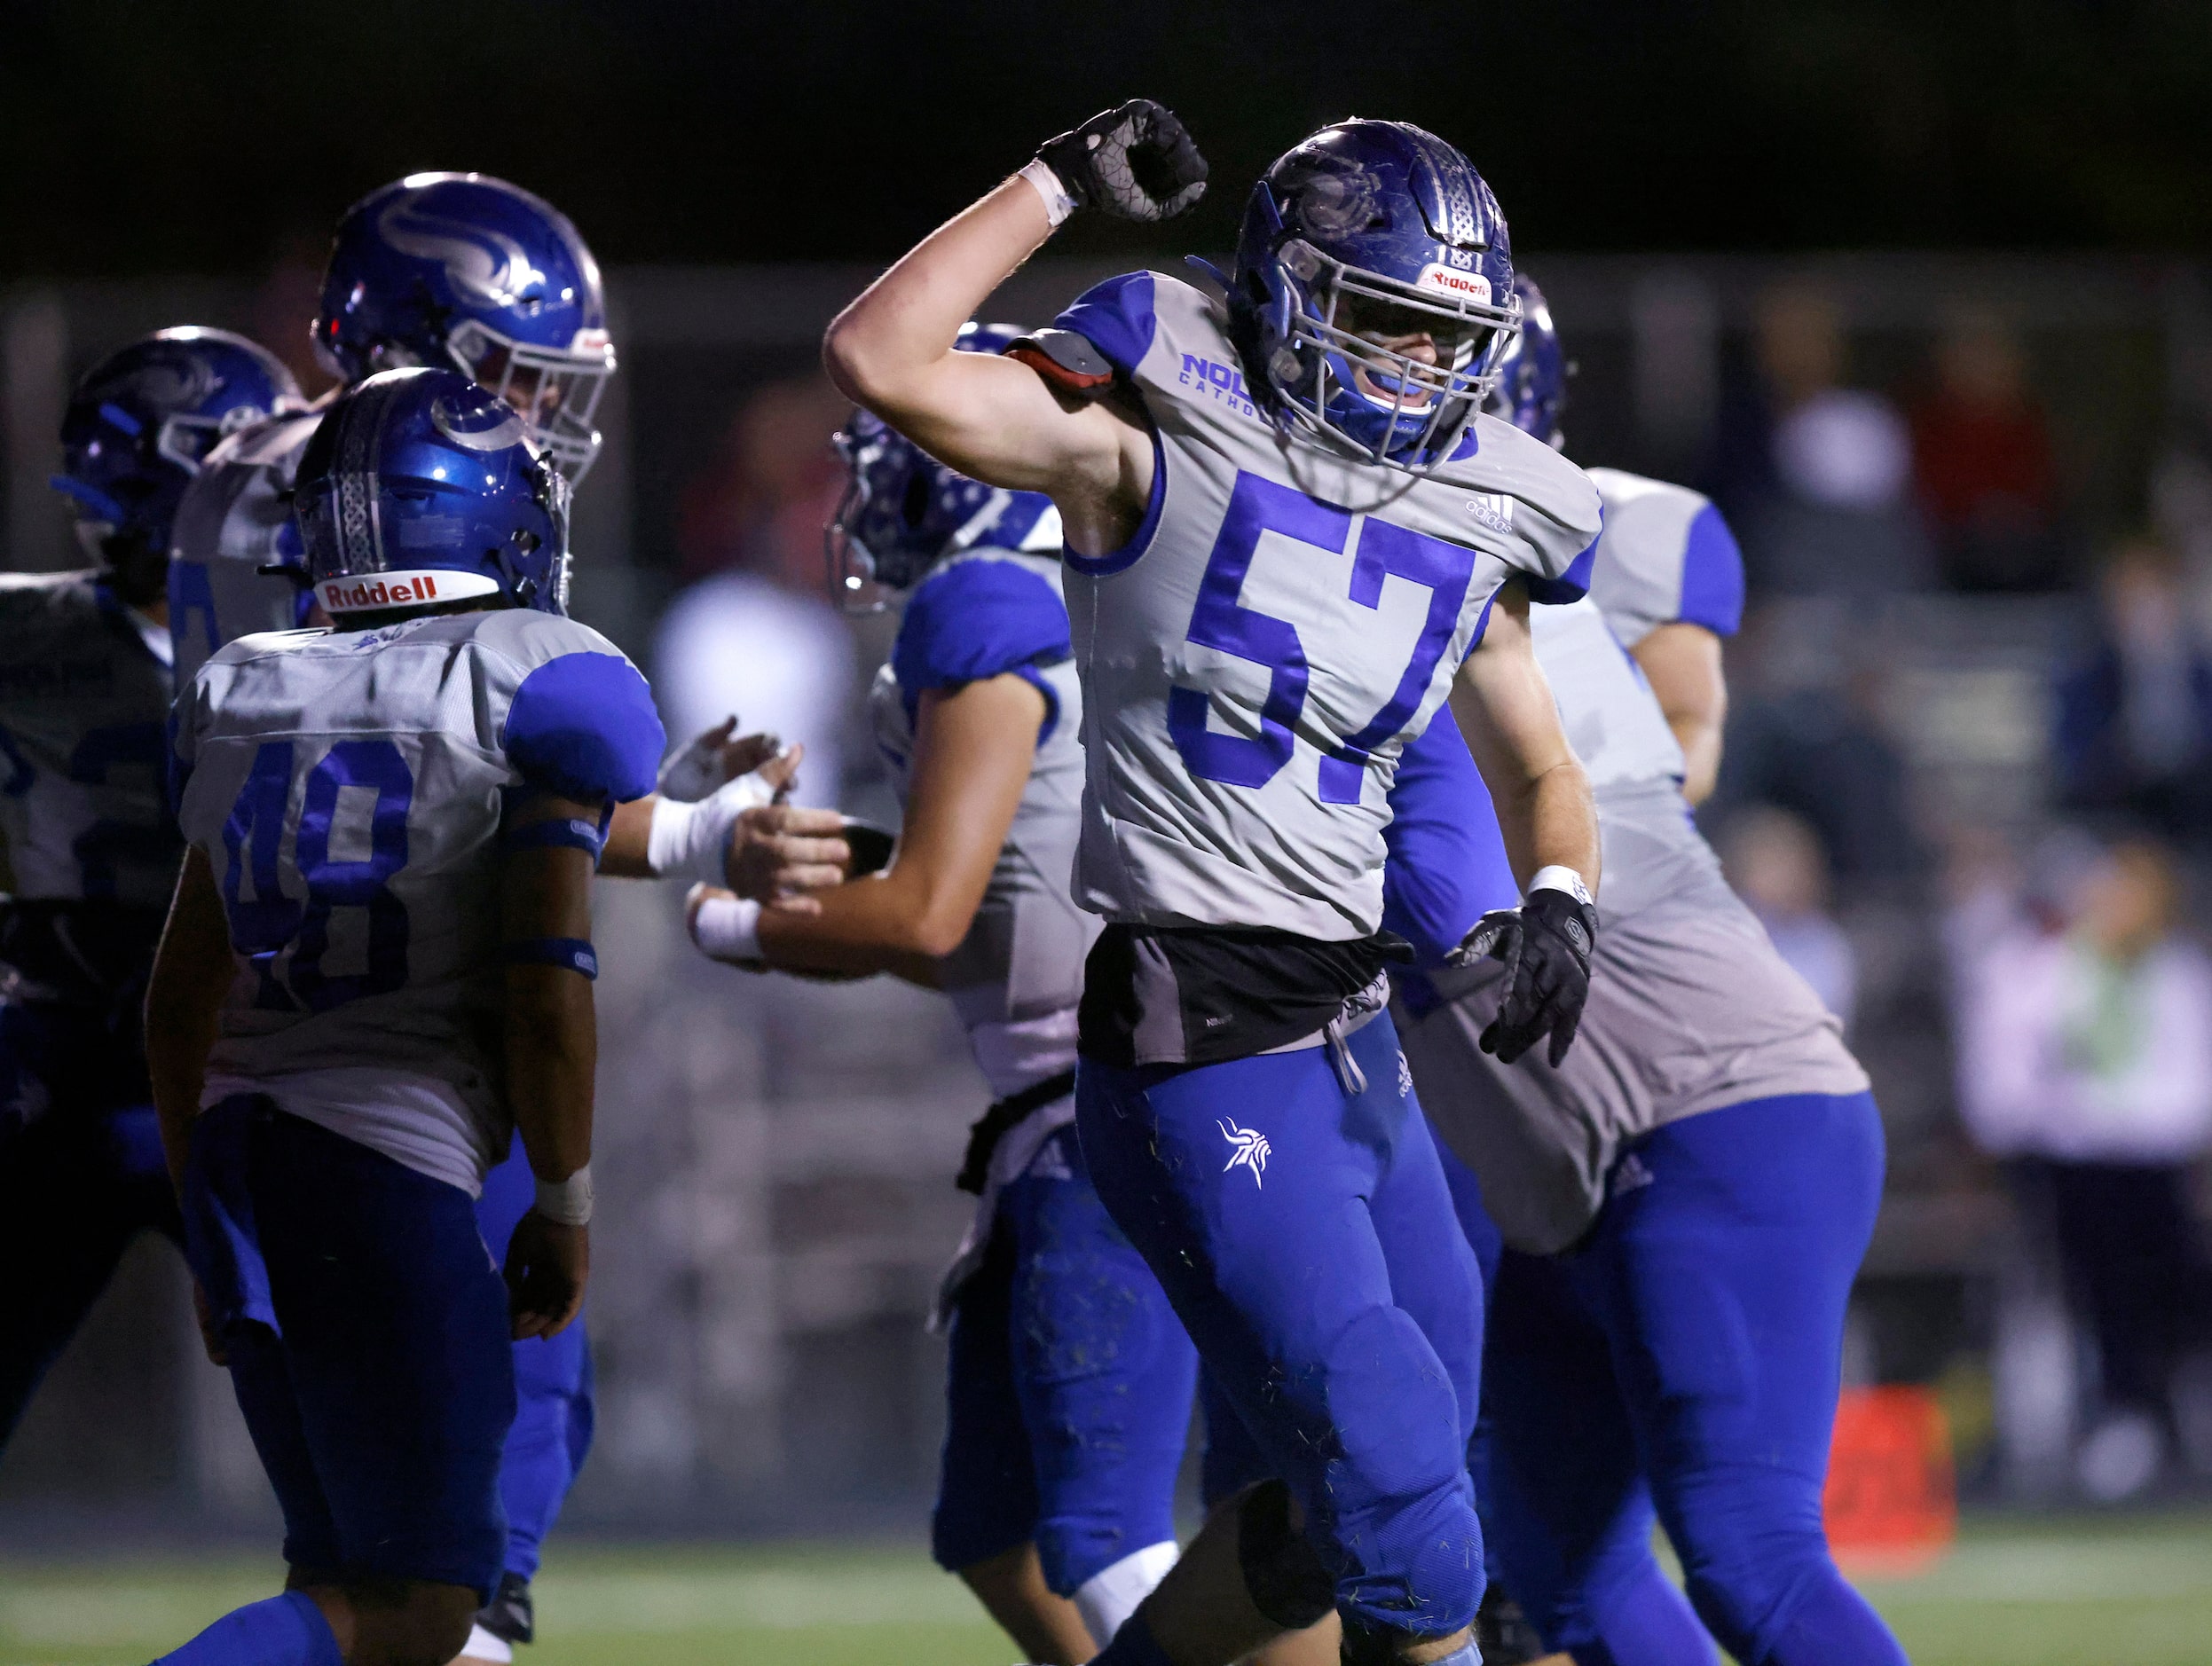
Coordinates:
(1115, 317)
(1712, 575)
(1570, 586)
(1447, 860)
(976, 619)
(583, 725)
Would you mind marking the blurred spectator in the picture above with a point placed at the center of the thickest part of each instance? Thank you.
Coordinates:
(2135, 717)
(286, 301)
(1982, 464)
(2085, 1057)
(1818, 488)
(1776, 863)
(1806, 735)
(755, 633)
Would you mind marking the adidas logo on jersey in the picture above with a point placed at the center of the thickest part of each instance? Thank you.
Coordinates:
(1630, 1174)
(1493, 509)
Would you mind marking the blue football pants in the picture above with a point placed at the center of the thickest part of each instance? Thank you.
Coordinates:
(1682, 1365)
(553, 1390)
(1305, 1236)
(368, 1338)
(1068, 1388)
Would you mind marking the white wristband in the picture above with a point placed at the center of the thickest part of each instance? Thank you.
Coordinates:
(689, 841)
(726, 928)
(1058, 204)
(1559, 877)
(567, 1201)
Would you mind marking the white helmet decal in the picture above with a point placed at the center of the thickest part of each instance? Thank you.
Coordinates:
(489, 425)
(477, 260)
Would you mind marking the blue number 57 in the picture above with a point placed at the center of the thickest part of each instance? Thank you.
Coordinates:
(1220, 621)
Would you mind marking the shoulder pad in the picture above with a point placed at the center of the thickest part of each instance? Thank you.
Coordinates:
(582, 724)
(1063, 358)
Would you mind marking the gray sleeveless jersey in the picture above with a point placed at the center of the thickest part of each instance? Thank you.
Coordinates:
(235, 519)
(348, 790)
(84, 694)
(1283, 622)
(1690, 1008)
(1016, 977)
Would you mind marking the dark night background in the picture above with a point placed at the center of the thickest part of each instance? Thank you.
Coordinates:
(144, 138)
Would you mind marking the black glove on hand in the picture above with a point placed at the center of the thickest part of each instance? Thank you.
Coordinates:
(1136, 162)
(1545, 945)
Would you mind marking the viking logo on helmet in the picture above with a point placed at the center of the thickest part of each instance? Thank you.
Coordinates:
(476, 424)
(478, 259)
(172, 380)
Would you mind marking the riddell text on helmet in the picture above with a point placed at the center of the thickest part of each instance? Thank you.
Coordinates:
(341, 595)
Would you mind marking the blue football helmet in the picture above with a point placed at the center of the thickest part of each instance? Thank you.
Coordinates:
(419, 489)
(137, 428)
(1371, 233)
(469, 270)
(903, 510)
(1531, 390)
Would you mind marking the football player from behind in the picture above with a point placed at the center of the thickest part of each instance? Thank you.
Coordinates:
(87, 848)
(376, 972)
(471, 272)
(1684, 1202)
(1070, 1378)
(1290, 538)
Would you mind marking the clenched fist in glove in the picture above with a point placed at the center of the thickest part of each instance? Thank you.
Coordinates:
(1545, 946)
(1136, 162)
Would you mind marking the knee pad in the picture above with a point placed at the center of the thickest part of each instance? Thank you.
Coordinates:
(1282, 1573)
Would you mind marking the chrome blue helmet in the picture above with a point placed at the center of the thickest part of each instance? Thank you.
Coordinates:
(136, 430)
(469, 270)
(1531, 390)
(1366, 241)
(903, 510)
(420, 489)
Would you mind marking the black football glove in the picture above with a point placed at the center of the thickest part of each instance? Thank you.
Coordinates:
(1136, 162)
(1545, 946)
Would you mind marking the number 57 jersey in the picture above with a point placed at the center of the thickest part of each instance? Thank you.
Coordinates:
(1281, 623)
(347, 789)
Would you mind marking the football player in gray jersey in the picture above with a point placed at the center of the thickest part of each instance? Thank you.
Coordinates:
(1290, 537)
(458, 270)
(469, 271)
(1069, 1381)
(376, 972)
(1684, 1203)
(88, 850)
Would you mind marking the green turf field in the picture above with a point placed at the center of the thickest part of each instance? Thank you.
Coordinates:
(2137, 1590)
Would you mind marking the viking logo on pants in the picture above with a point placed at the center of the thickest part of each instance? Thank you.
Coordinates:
(1249, 1148)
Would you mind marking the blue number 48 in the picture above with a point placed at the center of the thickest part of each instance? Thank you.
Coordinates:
(267, 923)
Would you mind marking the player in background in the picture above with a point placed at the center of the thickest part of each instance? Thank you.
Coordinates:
(471, 272)
(1070, 1379)
(456, 269)
(88, 853)
(1288, 538)
(1684, 1202)
(1668, 577)
(376, 971)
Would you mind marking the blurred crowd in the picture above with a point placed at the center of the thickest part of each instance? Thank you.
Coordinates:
(2043, 932)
